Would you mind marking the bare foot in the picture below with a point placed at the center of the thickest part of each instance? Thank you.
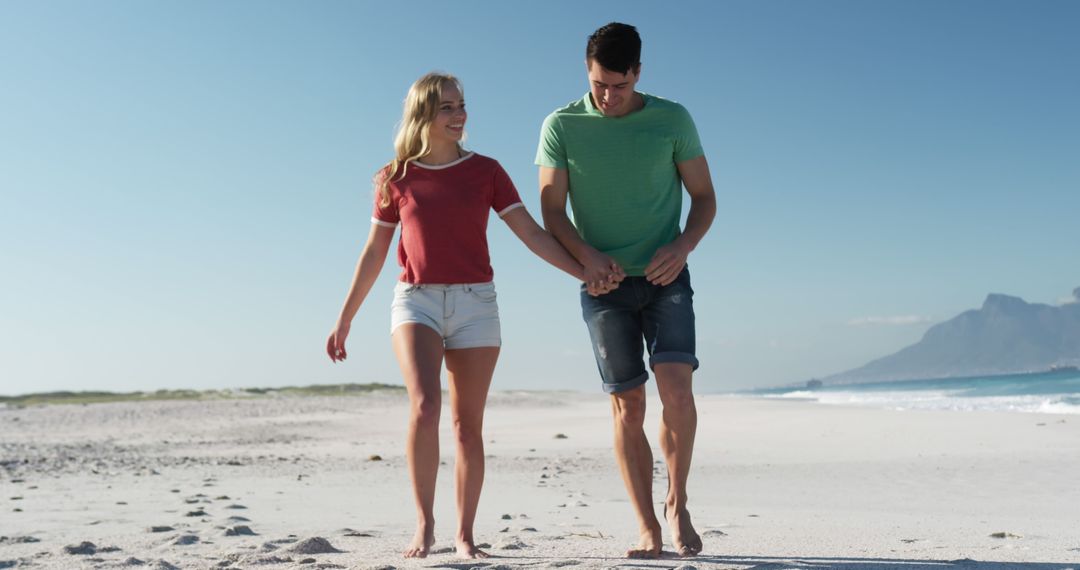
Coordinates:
(649, 545)
(421, 543)
(468, 549)
(686, 540)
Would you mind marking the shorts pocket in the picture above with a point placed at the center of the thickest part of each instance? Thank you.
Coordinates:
(485, 293)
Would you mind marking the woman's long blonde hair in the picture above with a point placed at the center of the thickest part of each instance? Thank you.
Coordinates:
(411, 141)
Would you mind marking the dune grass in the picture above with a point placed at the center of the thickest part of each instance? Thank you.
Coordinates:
(95, 397)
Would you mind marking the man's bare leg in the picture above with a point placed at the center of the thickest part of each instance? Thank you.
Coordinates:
(635, 462)
(678, 426)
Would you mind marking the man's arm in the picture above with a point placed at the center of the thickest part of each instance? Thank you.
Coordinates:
(670, 259)
(602, 273)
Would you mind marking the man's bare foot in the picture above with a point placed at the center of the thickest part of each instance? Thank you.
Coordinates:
(649, 545)
(468, 549)
(686, 540)
(421, 542)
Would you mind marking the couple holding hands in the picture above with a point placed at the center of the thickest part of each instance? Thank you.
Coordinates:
(622, 157)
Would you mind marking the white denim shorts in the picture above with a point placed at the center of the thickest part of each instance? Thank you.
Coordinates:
(465, 315)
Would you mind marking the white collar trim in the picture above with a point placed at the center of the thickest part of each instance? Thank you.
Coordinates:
(442, 166)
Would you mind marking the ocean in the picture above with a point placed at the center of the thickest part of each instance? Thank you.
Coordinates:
(1045, 393)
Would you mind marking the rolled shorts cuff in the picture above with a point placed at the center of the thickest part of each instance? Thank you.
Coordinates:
(611, 388)
(477, 343)
(396, 324)
(673, 357)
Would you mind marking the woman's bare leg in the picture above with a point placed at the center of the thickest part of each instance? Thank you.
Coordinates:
(469, 374)
(419, 351)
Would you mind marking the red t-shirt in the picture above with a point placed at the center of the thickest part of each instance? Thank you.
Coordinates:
(443, 212)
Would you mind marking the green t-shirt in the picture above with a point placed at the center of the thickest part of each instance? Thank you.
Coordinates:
(625, 191)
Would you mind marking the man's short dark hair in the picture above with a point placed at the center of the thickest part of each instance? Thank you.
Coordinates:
(616, 47)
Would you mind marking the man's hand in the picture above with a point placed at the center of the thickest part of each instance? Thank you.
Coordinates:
(602, 274)
(667, 263)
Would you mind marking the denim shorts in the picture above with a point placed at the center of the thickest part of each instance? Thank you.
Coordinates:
(464, 315)
(637, 316)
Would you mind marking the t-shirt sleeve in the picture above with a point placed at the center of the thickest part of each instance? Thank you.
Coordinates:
(687, 142)
(387, 216)
(505, 196)
(551, 151)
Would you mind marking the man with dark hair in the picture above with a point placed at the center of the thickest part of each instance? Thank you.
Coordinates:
(622, 157)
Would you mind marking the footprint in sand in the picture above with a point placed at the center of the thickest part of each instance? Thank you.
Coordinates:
(511, 543)
(314, 545)
(240, 530)
(83, 548)
(186, 540)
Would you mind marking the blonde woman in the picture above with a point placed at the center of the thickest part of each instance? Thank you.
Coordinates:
(444, 304)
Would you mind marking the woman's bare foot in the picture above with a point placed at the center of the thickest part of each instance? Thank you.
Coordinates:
(649, 545)
(421, 543)
(468, 549)
(686, 540)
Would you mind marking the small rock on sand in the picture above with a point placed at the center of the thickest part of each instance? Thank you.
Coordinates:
(1005, 535)
(561, 436)
(314, 545)
(236, 507)
(198, 513)
(714, 532)
(506, 517)
(375, 458)
(161, 529)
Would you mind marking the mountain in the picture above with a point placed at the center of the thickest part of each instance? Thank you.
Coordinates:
(1006, 335)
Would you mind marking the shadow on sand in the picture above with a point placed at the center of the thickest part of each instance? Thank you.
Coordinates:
(763, 563)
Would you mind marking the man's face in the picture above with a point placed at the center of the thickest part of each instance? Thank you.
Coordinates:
(612, 92)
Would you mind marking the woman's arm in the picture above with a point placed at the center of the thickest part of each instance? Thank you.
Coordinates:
(542, 243)
(367, 270)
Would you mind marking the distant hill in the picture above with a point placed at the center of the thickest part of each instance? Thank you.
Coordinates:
(1006, 335)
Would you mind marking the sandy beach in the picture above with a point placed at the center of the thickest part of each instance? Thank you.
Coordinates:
(320, 482)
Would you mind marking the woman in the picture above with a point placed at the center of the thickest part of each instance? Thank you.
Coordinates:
(444, 305)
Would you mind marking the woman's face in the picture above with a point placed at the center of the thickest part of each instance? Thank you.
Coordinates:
(449, 123)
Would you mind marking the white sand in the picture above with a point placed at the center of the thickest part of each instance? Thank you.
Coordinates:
(774, 485)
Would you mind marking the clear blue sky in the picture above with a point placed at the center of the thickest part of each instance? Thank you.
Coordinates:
(185, 186)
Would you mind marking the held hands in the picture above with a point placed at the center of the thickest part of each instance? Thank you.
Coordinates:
(667, 263)
(602, 274)
(335, 345)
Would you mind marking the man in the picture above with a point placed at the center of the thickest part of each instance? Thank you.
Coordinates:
(622, 157)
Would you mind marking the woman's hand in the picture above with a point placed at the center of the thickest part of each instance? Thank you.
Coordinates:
(335, 345)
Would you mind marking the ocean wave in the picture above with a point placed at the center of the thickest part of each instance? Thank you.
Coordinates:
(945, 400)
